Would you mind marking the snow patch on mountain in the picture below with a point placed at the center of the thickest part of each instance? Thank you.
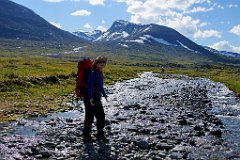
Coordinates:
(90, 36)
(113, 36)
(147, 29)
(103, 36)
(136, 41)
(123, 45)
(145, 38)
(225, 53)
(160, 40)
(184, 46)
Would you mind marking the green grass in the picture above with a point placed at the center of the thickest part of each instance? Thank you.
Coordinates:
(38, 84)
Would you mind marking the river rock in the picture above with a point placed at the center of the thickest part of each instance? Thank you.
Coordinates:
(51, 145)
(45, 153)
(176, 155)
(146, 118)
(142, 144)
(216, 132)
(164, 146)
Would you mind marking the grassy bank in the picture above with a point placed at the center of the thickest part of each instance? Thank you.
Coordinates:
(37, 85)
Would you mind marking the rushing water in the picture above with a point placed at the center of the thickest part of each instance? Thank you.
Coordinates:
(144, 91)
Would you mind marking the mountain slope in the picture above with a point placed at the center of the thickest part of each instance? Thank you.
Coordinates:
(225, 53)
(89, 36)
(19, 22)
(155, 41)
(126, 32)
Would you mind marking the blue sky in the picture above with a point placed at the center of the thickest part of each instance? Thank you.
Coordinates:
(214, 23)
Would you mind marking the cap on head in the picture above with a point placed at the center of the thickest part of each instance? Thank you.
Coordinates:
(100, 59)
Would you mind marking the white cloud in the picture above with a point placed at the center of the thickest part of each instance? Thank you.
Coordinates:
(96, 2)
(199, 9)
(207, 34)
(103, 22)
(218, 6)
(54, 1)
(81, 13)
(173, 13)
(236, 30)
(232, 6)
(87, 26)
(56, 24)
(101, 28)
(184, 24)
(225, 46)
(203, 24)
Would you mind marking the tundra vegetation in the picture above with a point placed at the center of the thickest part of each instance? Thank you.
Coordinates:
(33, 85)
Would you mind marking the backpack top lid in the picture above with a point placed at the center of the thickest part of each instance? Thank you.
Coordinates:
(85, 64)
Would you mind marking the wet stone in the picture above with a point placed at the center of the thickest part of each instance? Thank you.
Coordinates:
(176, 155)
(69, 120)
(198, 128)
(146, 118)
(51, 145)
(216, 132)
(45, 154)
(33, 151)
(52, 123)
(164, 146)
(142, 144)
(183, 122)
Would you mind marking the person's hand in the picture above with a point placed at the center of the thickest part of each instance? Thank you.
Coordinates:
(92, 101)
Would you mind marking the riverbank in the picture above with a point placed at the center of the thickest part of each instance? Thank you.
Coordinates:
(33, 86)
(147, 118)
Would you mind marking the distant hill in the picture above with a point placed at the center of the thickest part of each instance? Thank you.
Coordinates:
(151, 41)
(124, 33)
(225, 53)
(21, 30)
(90, 36)
(19, 22)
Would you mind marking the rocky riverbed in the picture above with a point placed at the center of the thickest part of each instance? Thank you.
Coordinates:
(175, 117)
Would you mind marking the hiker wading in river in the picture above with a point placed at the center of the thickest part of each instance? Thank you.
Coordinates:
(92, 101)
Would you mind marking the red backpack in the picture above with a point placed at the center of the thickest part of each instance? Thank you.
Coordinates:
(84, 69)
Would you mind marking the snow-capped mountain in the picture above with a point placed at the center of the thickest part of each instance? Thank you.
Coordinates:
(225, 53)
(124, 33)
(150, 38)
(90, 36)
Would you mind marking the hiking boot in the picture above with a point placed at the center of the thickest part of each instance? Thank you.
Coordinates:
(87, 139)
(103, 139)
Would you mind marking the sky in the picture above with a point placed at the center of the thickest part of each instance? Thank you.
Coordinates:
(213, 23)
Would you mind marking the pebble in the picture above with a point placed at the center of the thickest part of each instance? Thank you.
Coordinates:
(176, 155)
(146, 119)
(142, 144)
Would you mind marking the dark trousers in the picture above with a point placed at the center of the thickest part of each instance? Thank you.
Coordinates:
(91, 112)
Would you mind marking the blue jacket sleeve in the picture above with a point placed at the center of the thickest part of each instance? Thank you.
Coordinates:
(90, 84)
(101, 87)
(103, 91)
